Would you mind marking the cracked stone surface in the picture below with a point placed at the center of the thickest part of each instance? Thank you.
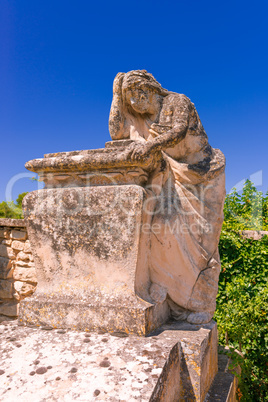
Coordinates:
(45, 364)
(58, 365)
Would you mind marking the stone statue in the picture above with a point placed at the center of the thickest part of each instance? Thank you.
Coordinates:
(125, 235)
(188, 183)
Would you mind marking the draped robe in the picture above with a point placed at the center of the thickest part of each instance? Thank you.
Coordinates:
(189, 185)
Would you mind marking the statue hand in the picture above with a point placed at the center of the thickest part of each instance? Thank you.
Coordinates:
(140, 151)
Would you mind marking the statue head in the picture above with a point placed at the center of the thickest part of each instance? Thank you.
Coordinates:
(142, 92)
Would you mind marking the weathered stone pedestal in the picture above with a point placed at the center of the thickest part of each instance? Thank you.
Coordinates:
(85, 243)
(88, 243)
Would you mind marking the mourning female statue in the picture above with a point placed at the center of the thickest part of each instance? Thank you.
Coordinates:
(189, 184)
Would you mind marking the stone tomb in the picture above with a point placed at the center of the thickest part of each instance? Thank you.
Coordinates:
(87, 235)
(101, 266)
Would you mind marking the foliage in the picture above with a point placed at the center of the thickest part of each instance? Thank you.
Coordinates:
(12, 210)
(242, 302)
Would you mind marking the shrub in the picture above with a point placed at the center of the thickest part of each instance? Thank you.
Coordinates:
(242, 301)
(12, 210)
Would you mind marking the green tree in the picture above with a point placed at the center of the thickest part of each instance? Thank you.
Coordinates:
(242, 301)
(12, 210)
(19, 199)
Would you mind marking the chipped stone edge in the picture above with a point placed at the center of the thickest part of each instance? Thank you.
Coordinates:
(19, 223)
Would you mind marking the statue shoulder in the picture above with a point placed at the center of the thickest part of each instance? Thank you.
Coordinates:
(176, 100)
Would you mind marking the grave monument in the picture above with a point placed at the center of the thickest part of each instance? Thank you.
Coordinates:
(126, 237)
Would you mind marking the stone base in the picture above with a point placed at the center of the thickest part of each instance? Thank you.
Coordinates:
(88, 247)
(138, 317)
(176, 363)
(199, 357)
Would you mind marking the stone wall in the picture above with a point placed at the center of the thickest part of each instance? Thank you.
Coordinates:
(254, 234)
(17, 271)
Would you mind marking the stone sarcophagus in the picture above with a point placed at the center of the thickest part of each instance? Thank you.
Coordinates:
(126, 236)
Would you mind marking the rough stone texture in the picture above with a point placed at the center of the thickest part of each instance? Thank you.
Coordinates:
(6, 290)
(9, 309)
(199, 363)
(17, 272)
(225, 383)
(5, 267)
(6, 252)
(17, 245)
(108, 166)
(87, 366)
(7, 222)
(18, 235)
(254, 234)
(23, 289)
(85, 243)
(24, 274)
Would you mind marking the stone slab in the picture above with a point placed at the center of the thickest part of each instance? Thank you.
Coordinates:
(6, 222)
(18, 235)
(38, 363)
(138, 317)
(111, 165)
(111, 157)
(253, 234)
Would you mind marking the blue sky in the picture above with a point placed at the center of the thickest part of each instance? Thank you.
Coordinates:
(59, 59)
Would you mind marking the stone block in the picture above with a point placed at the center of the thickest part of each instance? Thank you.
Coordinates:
(4, 234)
(6, 252)
(17, 245)
(24, 274)
(7, 242)
(93, 314)
(199, 358)
(27, 247)
(17, 223)
(23, 289)
(6, 289)
(23, 256)
(85, 242)
(18, 235)
(253, 234)
(5, 268)
(9, 309)
(20, 263)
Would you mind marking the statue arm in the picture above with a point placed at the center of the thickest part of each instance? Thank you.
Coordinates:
(180, 122)
(180, 126)
(116, 118)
